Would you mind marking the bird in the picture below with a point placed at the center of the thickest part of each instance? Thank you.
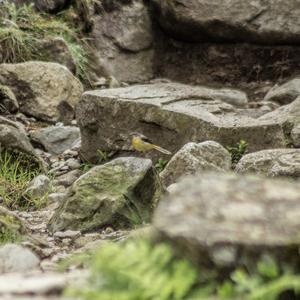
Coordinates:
(142, 144)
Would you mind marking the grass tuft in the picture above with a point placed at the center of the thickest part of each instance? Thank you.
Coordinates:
(238, 151)
(23, 28)
(16, 171)
(9, 230)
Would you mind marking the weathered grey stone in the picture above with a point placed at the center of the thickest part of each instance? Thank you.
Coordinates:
(117, 193)
(38, 187)
(285, 93)
(67, 234)
(57, 50)
(289, 117)
(255, 21)
(14, 137)
(171, 115)
(57, 139)
(56, 197)
(8, 101)
(194, 158)
(47, 91)
(73, 163)
(273, 162)
(123, 39)
(15, 258)
(68, 178)
(228, 219)
(38, 285)
(295, 135)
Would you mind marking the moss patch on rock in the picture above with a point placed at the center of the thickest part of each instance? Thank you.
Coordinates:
(121, 193)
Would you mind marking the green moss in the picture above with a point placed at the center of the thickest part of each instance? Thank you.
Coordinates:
(118, 194)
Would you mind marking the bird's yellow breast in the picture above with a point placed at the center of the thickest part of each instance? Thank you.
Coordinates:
(139, 145)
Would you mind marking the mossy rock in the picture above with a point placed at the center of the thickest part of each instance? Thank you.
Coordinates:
(12, 228)
(121, 193)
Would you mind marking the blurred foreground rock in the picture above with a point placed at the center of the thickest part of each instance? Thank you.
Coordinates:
(224, 220)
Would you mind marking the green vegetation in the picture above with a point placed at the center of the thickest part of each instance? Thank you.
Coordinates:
(137, 270)
(238, 151)
(141, 270)
(22, 30)
(267, 282)
(160, 165)
(16, 171)
(9, 230)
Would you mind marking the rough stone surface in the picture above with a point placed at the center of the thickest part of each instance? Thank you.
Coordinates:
(68, 178)
(250, 67)
(117, 193)
(123, 39)
(15, 258)
(169, 114)
(56, 50)
(295, 135)
(255, 21)
(38, 187)
(289, 118)
(47, 91)
(8, 101)
(219, 219)
(39, 286)
(13, 136)
(274, 162)
(57, 139)
(194, 158)
(285, 93)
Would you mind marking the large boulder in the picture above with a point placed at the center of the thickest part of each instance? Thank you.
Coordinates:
(273, 162)
(257, 21)
(285, 93)
(47, 91)
(194, 158)
(57, 139)
(123, 37)
(224, 220)
(120, 193)
(171, 115)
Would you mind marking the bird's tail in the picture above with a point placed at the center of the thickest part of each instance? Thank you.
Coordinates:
(162, 150)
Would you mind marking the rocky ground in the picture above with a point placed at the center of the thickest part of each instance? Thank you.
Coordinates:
(215, 84)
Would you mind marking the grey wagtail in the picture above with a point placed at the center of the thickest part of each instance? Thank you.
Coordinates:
(142, 144)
